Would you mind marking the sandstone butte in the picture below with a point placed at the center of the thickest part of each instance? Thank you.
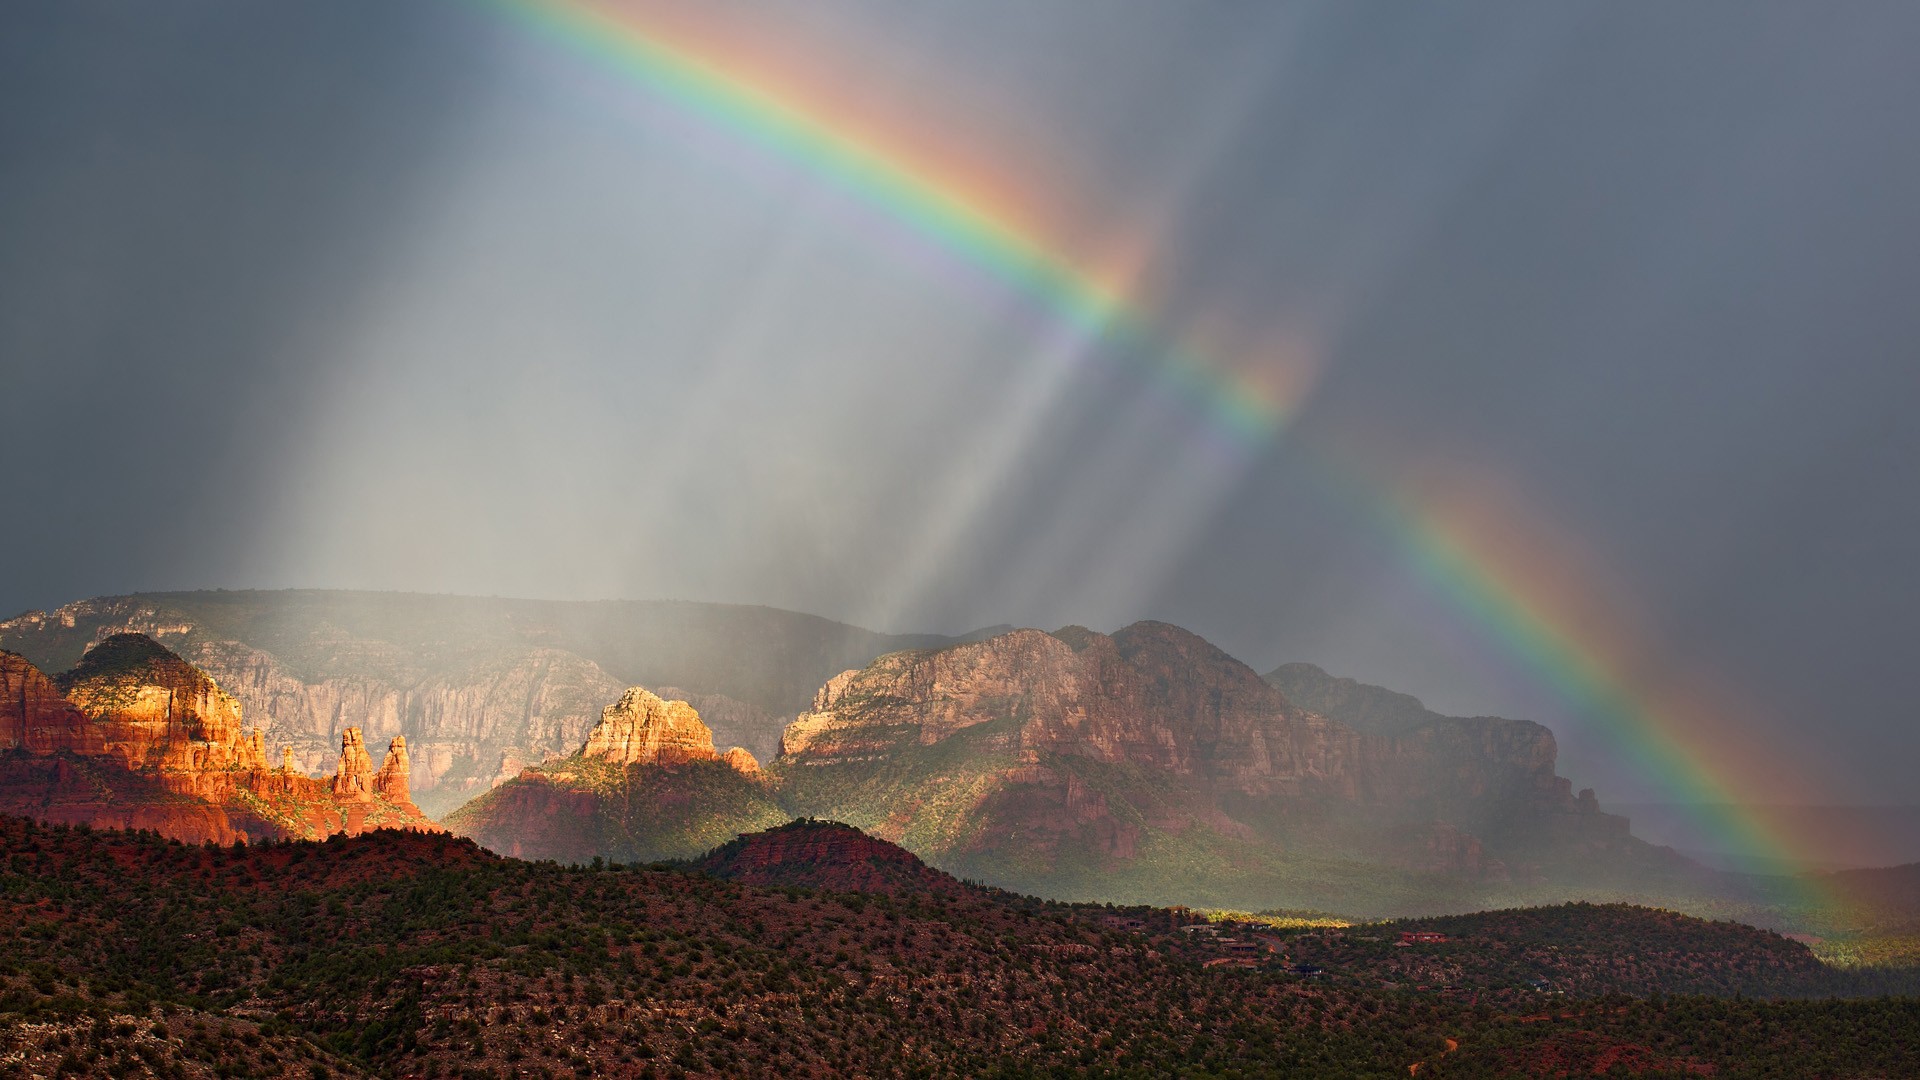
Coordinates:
(135, 737)
(643, 729)
(1227, 749)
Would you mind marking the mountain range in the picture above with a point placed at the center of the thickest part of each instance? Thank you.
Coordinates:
(480, 687)
(1142, 766)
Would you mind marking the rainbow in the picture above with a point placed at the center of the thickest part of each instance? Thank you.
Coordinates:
(957, 218)
(963, 218)
(1674, 738)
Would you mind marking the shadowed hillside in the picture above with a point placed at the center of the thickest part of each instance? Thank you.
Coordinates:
(419, 955)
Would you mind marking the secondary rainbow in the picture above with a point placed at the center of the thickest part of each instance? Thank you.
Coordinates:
(946, 211)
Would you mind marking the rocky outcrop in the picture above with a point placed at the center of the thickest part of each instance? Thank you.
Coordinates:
(481, 687)
(135, 737)
(647, 785)
(35, 716)
(354, 779)
(391, 780)
(734, 722)
(1080, 746)
(643, 729)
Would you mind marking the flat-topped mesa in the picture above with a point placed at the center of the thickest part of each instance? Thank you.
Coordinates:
(354, 778)
(643, 729)
(391, 780)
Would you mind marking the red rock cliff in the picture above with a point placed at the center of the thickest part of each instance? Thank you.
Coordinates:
(138, 738)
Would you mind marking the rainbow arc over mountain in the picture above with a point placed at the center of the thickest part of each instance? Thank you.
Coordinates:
(1590, 674)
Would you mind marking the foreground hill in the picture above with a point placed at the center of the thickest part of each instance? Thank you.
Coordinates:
(409, 954)
(481, 686)
(826, 855)
(135, 737)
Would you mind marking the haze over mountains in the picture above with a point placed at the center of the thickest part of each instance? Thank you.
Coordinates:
(1144, 765)
(481, 687)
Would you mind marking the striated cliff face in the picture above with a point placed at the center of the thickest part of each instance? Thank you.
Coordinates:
(643, 729)
(135, 737)
(154, 711)
(648, 784)
(472, 726)
(35, 716)
(354, 780)
(1077, 748)
(1156, 697)
(481, 687)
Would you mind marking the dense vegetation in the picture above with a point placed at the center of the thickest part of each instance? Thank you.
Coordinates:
(403, 954)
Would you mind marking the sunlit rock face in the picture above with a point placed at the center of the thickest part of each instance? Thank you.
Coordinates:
(135, 737)
(354, 780)
(153, 710)
(391, 780)
(644, 729)
(641, 729)
(647, 784)
(1153, 695)
(466, 728)
(482, 688)
(35, 716)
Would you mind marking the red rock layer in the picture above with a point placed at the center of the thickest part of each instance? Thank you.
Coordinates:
(135, 737)
(1227, 750)
(35, 716)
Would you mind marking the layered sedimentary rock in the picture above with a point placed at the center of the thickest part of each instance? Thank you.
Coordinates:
(354, 780)
(1049, 749)
(135, 737)
(481, 687)
(35, 716)
(648, 784)
(391, 780)
(643, 729)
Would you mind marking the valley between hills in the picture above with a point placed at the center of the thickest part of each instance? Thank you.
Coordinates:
(698, 840)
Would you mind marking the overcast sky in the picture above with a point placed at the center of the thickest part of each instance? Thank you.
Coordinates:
(410, 296)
